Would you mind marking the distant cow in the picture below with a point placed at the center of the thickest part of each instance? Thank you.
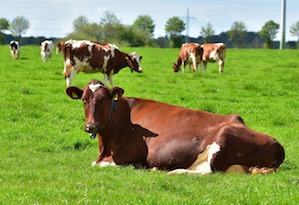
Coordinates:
(213, 53)
(91, 57)
(59, 47)
(47, 47)
(190, 53)
(14, 49)
(153, 134)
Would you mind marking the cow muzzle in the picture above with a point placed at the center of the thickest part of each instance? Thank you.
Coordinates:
(91, 128)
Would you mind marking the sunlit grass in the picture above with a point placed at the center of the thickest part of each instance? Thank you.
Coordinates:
(46, 156)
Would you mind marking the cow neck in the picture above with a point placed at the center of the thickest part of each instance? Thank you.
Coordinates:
(112, 107)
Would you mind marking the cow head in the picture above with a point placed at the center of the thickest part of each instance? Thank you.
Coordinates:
(133, 61)
(99, 103)
(176, 67)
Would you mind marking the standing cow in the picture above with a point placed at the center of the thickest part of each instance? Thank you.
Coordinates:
(47, 47)
(190, 53)
(14, 49)
(214, 52)
(133, 131)
(91, 57)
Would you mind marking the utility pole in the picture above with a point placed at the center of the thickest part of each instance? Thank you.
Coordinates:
(188, 17)
(282, 25)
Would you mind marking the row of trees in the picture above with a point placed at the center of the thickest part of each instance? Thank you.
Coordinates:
(141, 32)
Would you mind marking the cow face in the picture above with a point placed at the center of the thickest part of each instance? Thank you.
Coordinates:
(176, 67)
(99, 102)
(134, 62)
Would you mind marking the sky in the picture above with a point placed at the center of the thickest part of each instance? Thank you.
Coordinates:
(54, 18)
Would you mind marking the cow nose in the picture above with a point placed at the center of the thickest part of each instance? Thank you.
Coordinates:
(91, 127)
(140, 70)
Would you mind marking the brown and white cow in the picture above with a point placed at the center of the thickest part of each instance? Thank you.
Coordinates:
(91, 57)
(213, 52)
(14, 49)
(59, 47)
(190, 53)
(47, 47)
(153, 134)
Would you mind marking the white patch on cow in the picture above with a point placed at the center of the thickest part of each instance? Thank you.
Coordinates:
(78, 43)
(192, 56)
(213, 54)
(94, 87)
(202, 164)
(112, 49)
(106, 59)
(103, 164)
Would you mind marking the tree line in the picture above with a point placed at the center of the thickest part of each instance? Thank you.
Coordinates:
(141, 33)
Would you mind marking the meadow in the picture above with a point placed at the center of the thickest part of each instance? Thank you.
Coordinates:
(46, 156)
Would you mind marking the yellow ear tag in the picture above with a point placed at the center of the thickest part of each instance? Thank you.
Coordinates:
(74, 95)
(115, 97)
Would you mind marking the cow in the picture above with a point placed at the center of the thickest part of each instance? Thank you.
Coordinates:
(59, 47)
(14, 49)
(213, 52)
(47, 47)
(91, 57)
(190, 53)
(156, 135)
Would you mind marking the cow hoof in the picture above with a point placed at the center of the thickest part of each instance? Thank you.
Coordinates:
(94, 163)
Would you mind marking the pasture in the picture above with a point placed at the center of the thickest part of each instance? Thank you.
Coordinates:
(46, 156)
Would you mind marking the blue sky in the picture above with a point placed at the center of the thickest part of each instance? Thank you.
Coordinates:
(53, 18)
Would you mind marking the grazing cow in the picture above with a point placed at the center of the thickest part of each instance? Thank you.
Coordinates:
(14, 49)
(157, 135)
(213, 53)
(92, 57)
(59, 47)
(47, 47)
(190, 53)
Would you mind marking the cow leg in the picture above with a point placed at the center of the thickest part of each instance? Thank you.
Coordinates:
(203, 65)
(184, 65)
(202, 164)
(193, 63)
(105, 79)
(221, 66)
(70, 78)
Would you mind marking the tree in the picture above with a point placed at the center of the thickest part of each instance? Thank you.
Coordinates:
(237, 32)
(269, 32)
(4, 24)
(144, 23)
(19, 26)
(112, 27)
(207, 32)
(294, 30)
(80, 22)
(174, 27)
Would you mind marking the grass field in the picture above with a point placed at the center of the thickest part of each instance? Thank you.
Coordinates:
(46, 157)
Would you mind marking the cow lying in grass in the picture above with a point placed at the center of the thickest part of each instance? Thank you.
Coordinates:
(136, 131)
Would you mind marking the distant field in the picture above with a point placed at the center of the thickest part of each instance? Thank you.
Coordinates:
(46, 156)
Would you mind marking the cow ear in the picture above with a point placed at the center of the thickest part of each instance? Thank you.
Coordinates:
(74, 92)
(140, 57)
(116, 92)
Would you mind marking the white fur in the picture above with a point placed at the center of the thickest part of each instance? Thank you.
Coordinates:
(94, 87)
(202, 164)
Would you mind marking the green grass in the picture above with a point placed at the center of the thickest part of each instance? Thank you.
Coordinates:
(46, 157)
